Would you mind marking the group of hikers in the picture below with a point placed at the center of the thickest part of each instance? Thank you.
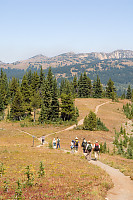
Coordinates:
(87, 148)
(56, 143)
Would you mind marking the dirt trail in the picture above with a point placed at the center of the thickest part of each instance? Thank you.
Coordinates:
(123, 185)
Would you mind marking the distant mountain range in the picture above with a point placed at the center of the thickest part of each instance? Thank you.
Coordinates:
(117, 65)
(71, 59)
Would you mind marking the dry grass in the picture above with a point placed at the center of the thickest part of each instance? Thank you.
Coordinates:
(123, 164)
(67, 176)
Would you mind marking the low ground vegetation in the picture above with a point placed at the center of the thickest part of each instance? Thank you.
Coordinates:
(32, 172)
(123, 144)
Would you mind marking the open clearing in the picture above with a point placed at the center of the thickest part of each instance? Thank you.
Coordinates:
(67, 176)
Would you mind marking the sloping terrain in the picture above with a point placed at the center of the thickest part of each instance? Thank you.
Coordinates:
(66, 176)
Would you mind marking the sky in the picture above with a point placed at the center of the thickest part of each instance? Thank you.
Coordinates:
(53, 27)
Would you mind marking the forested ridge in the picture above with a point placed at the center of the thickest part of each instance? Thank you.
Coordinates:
(38, 91)
(119, 70)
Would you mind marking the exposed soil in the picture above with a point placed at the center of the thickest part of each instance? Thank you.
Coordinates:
(123, 185)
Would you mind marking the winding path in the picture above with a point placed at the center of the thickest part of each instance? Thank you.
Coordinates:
(123, 185)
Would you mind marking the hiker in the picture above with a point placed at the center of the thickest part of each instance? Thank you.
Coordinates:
(84, 143)
(96, 149)
(72, 146)
(88, 150)
(76, 144)
(58, 143)
(54, 143)
(43, 139)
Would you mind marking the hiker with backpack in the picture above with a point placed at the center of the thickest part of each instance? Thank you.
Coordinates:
(72, 146)
(88, 150)
(76, 144)
(84, 143)
(58, 143)
(43, 139)
(96, 150)
(54, 143)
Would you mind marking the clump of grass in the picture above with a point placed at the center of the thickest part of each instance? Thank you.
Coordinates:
(50, 145)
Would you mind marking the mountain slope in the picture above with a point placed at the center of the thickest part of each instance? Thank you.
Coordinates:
(72, 59)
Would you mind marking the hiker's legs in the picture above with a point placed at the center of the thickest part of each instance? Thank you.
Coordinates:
(95, 154)
(87, 154)
(76, 148)
(58, 145)
(90, 155)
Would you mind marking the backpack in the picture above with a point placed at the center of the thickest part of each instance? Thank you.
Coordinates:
(76, 142)
(96, 147)
(89, 147)
(84, 145)
(58, 141)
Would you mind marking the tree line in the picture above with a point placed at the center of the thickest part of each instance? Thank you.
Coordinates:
(35, 92)
(38, 91)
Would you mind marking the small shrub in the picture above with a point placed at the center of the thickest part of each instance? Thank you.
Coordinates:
(2, 169)
(29, 175)
(18, 191)
(41, 171)
(50, 145)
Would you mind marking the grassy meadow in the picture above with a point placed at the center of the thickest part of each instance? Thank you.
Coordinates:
(66, 175)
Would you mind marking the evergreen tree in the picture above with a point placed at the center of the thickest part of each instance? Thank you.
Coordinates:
(62, 86)
(17, 110)
(110, 89)
(29, 77)
(13, 88)
(4, 87)
(41, 77)
(97, 88)
(75, 86)
(50, 80)
(67, 107)
(1, 105)
(34, 83)
(35, 102)
(43, 114)
(54, 113)
(80, 86)
(129, 93)
(90, 121)
(46, 98)
(132, 96)
(26, 94)
(85, 86)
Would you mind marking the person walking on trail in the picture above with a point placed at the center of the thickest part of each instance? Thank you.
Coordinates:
(88, 150)
(76, 144)
(84, 143)
(54, 143)
(96, 150)
(72, 146)
(58, 143)
(43, 139)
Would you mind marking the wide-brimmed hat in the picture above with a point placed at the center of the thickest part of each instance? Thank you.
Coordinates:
(76, 138)
(89, 141)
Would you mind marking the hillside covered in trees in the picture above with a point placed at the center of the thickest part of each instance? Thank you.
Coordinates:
(39, 92)
(117, 65)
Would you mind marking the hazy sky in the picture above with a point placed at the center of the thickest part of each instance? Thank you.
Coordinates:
(52, 27)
